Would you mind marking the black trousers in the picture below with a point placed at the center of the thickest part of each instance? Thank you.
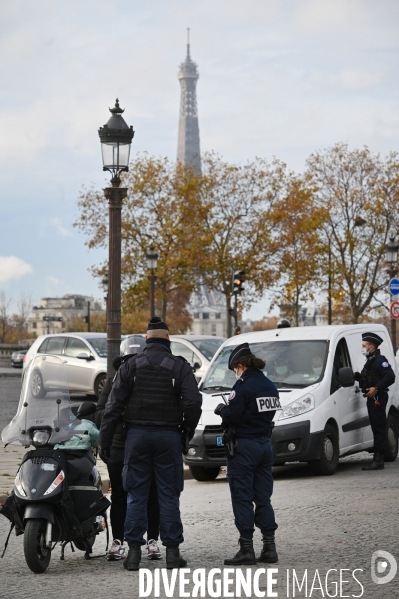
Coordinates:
(251, 486)
(119, 504)
(378, 420)
(153, 453)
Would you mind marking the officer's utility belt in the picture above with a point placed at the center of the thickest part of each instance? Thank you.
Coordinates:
(149, 425)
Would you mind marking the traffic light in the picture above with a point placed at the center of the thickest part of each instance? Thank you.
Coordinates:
(239, 278)
(238, 330)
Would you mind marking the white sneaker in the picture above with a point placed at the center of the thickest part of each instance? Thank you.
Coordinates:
(153, 551)
(116, 552)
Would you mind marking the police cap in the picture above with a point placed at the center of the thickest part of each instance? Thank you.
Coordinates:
(237, 353)
(372, 338)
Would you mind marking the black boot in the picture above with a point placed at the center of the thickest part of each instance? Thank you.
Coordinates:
(246, 555)
(268, 553)
(174, 559)
(132, 561)
(377, 463)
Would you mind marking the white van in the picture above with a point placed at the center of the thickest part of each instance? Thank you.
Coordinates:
(320, 419)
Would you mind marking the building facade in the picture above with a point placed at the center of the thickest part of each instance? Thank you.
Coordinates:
(56, 314)
(208, 310)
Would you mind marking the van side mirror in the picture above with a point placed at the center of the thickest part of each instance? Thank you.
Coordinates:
(86, 408)
(346, 377)
(196, 366)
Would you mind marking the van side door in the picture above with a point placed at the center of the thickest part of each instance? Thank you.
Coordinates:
(349, 401)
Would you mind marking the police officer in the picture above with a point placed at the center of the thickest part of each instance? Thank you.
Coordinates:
(252, 405)
(375, 378)
(158, 393)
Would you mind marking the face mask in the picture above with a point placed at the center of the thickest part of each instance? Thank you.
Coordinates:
(281, 370)
(238, 376)
(365, 352)
(317, 370)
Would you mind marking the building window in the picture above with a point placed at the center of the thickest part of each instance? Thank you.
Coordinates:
(213, 328)
(217, 315)
(205, 315)
(34, 325)
(196, 315)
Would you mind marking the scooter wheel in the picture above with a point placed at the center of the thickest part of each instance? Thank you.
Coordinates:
(37, 555)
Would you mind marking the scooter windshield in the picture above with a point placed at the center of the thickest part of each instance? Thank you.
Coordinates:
(44, 416)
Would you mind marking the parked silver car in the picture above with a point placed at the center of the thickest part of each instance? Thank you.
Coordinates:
(85, 356)
(197, 349)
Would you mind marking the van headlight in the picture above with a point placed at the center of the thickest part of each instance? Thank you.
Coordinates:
(298, 407)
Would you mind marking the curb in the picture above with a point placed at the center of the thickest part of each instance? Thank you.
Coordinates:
(10, 375)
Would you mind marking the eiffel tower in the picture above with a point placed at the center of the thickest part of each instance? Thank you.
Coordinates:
(188, 145)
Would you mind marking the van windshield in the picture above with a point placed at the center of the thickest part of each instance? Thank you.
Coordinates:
(288, 364)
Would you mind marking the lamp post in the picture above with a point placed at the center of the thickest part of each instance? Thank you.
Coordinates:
(391, 256)
(104, 285)
(152, 259)
(116, 137)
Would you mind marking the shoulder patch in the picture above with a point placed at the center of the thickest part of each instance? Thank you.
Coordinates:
(385, 364)
(232, 395)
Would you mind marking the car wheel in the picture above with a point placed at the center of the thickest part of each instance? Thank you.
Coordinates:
(99, 384)
(391, 444)
(202, 474)
(37, 387)
(327, 464)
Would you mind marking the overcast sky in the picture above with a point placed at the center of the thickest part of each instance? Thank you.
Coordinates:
(277, 78)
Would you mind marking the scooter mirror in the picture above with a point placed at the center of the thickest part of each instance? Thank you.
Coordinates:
(87, 408)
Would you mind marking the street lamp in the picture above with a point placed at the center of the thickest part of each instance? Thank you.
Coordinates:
(391, 256)
(152, 259)
(116, 137)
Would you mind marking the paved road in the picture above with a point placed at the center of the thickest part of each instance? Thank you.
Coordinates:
(324, 523)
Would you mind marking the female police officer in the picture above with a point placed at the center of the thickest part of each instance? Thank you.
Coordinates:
(252, 405)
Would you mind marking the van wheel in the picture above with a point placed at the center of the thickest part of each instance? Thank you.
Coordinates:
(99, 384)
(329, 455)
(391, 444)
(200, 473)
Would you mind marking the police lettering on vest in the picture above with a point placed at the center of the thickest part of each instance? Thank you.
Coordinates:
(268, 404)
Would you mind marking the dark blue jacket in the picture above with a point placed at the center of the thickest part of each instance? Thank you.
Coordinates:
(251, 401)
(156, 350)
(377, 372)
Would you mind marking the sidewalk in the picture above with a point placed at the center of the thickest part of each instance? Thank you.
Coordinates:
(11, 372)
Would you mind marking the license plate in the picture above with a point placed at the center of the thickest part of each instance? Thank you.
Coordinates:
(219, 441)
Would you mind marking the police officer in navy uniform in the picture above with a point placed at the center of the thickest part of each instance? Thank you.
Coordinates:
(252, 405)
(158, 395)
(375, 378)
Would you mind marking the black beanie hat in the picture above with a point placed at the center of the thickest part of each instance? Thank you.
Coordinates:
(157, 323)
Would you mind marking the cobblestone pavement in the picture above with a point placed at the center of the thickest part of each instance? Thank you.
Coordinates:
(325, 523)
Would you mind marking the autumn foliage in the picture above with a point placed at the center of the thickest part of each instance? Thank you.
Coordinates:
(298, 237)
